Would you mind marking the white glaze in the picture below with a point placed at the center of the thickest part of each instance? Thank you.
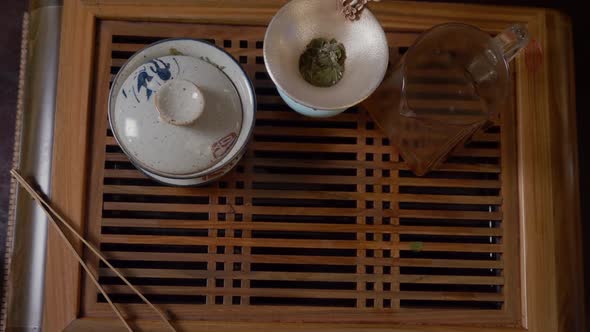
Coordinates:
(204, 51)
(179, 102)
(308, 111)
(168, 149)
(300, 21)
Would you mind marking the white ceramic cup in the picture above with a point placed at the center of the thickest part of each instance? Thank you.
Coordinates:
(289, 33)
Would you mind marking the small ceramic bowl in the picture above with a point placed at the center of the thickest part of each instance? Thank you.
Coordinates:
(291, 30)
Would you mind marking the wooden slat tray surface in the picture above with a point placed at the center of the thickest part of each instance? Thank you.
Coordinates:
(321, 216)
(321, 222)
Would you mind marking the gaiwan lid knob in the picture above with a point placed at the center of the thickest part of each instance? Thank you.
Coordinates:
(180, 102)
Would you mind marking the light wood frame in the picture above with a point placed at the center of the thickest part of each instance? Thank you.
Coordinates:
(551, 273)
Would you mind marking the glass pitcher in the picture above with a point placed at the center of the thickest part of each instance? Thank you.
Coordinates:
(450, 83)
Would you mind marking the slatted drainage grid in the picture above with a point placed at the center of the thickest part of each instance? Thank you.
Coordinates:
(320, 221)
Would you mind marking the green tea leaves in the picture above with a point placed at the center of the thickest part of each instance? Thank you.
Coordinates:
(416, 246)
(322, 63)
(174, 51)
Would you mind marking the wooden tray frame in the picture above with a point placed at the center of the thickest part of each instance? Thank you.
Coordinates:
(551, 285)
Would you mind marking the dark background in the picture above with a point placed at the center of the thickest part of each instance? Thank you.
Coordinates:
(11, 13)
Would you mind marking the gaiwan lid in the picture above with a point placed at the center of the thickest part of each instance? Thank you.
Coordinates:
(177, 116)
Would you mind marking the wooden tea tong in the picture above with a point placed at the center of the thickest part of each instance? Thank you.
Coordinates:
(52, 215)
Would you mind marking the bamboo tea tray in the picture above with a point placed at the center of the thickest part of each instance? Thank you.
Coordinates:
(321, 227)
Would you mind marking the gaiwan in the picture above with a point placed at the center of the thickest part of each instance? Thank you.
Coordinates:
(182, 111)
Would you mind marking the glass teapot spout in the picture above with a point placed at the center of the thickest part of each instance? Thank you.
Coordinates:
(512, 40)
(501, 49)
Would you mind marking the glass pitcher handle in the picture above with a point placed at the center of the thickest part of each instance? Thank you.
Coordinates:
(512, 40)
(508, 43)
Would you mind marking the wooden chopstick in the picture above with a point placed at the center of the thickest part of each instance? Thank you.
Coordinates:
(51, 213)
(87, 269)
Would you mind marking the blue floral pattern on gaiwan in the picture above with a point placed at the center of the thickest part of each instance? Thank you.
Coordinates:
(151, 75)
